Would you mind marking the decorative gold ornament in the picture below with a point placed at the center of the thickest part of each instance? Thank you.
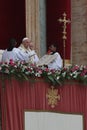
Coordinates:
(52, 96)
(65, 21)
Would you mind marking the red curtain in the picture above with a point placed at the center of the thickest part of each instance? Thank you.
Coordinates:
(54, 11)
(18, 96)
(12, 21)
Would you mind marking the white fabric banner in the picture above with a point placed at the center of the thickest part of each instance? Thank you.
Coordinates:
(52, 121)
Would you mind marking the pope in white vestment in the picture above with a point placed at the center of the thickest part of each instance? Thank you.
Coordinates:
(21, 56)
(30, 55)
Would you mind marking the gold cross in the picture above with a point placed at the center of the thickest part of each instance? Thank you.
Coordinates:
(64, 21)
(52, 96)
(64, 37)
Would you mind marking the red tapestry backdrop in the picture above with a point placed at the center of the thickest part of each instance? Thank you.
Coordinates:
(55, 9)
(16, 97)
(12, 21)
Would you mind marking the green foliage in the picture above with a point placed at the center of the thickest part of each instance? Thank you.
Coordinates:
(23, 71)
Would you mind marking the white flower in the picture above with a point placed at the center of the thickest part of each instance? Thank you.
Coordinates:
(37, 75)
(58, 77)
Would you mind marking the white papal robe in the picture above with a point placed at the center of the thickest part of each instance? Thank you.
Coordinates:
(21, 56)
(30, 55)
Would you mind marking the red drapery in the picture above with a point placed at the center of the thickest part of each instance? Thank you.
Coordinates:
(18, 96)
(54, 30)
(13, 21)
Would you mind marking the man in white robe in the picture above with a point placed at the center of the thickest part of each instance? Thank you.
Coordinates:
(21, 56)
(29, 54)
(57, 63)
(9, 55)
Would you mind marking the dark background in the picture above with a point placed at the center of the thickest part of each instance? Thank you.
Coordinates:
(12, 23)
(54, 10)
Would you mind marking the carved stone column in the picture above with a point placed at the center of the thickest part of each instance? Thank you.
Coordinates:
(32, 23)
(79, 32)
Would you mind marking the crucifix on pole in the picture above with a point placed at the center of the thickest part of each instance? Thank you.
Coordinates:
(64, 37)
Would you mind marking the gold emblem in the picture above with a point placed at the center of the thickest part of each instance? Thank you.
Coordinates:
(52, 96)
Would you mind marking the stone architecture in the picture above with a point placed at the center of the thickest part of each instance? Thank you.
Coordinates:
(79, 32)
(32, 22)
(35, 28)
(35, 24)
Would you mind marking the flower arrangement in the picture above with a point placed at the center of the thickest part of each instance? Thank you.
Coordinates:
(24, 71)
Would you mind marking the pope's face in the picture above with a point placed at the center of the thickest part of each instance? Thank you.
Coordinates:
(26, 43)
